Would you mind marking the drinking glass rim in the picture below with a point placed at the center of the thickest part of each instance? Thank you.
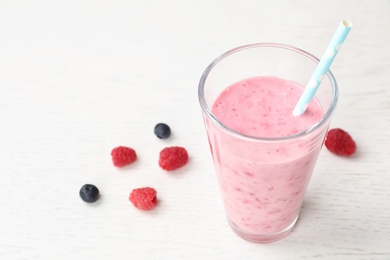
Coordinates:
(209, 114)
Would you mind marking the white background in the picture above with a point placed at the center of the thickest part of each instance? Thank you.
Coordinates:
(78, 78)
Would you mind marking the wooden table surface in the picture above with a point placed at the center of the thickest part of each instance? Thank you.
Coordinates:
(78, 78)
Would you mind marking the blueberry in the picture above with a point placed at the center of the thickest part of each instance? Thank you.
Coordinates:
(162, 131)
(89, 193)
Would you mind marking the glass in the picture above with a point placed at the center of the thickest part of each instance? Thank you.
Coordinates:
(263, 194)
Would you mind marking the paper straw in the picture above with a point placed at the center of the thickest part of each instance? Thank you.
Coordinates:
(322, 67)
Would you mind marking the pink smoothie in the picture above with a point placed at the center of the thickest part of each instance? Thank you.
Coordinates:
(263, 182)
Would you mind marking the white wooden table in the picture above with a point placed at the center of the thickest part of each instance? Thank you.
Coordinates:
(78, 78)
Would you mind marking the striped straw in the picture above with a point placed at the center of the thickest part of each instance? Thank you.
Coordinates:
(323, 67)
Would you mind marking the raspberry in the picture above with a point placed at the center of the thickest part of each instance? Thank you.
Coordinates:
(122, 156)
(340, 142)
(144, 198)
(173, 157)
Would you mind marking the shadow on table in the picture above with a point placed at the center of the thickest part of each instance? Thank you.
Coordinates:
(332, 225)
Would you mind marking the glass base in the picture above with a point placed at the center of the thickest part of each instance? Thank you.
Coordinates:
(263, 238)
